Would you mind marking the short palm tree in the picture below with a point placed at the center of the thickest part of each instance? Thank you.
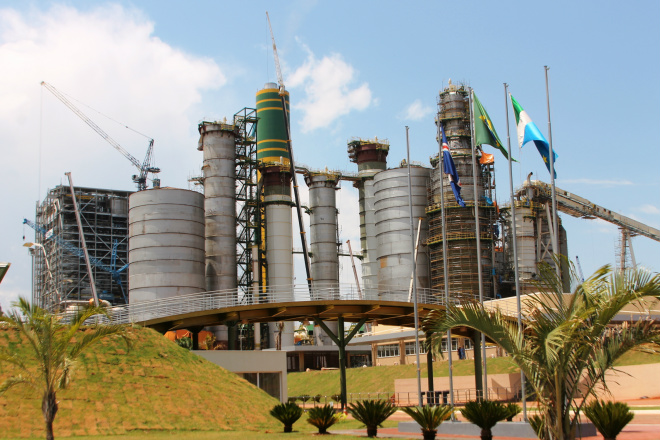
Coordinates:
(485, 414)
(372, 413)
(514, 409)
(429, 418)
(322, 417)
(287, 413)
(53, 347)
(609, 418)
(569, 341)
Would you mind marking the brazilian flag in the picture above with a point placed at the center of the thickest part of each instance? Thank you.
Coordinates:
(484, 130)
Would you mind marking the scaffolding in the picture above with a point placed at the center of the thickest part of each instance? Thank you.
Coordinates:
(104, 216)
(461, 236)
(248, 218)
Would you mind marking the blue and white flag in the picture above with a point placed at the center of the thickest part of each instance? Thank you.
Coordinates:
(529, 132)
(450, 169)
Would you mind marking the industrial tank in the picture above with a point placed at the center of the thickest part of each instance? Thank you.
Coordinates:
(392, 212)
(218, 142)
(271, 130)
(165, 244)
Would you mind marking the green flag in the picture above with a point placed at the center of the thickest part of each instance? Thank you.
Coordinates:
(484, 131)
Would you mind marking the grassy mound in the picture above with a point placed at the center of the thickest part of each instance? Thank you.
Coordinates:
(156, 386)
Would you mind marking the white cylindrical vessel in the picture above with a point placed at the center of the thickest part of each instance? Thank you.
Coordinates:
(218, 142)
(166, 244)
(392, 214)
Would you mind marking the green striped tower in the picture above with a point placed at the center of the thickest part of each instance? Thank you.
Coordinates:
(271, 131)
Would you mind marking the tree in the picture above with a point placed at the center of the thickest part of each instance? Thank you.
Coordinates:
(485, 414)
(52, 349)
(429, 418)
(372, 413)
(567, 341)
(287, 413)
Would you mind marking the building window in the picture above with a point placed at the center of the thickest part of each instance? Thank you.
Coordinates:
(391, 350)
(468, 344)
(454, 344)
(410, 348)
(269, 382)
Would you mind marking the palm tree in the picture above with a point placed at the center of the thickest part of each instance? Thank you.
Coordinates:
(287, 413)
(322, 417)
(567, 342)
(53, 347)
(429, 418)
(485, 414)
(609, 417)
(372, 413)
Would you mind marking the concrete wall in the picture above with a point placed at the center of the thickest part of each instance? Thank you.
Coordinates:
(633, 382)
(250, 362)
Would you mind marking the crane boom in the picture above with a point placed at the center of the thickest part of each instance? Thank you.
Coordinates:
(144, 168)
(280, 81)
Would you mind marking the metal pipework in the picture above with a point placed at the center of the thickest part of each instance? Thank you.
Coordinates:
(218, 142)
(166, 244)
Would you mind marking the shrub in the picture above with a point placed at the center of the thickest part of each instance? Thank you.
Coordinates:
(372, 413)
(485, 414)
(287, 413)
(322, 417)
(609, 417)
(514, 409)
(429, 418)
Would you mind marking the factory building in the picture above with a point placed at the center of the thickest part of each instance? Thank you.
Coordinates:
(60, 275)
(237, 236)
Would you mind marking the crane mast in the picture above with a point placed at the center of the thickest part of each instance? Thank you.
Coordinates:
(144, 168)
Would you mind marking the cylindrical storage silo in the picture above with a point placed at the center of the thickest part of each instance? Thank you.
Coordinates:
(166, 244)
(323, 243)
(271, 131)
(218, 142)
(323, 234)
(370, 155)
(392, 214)
(526, 242)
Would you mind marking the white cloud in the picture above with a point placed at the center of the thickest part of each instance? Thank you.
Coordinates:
(598, 182)
(109, 58)
(649, 209)
(329, 85)
(417, 111)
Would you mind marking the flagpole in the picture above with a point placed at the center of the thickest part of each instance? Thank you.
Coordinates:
(445, 263)
(477, 228)
(412, 239)
(515, 246)
(555, 242)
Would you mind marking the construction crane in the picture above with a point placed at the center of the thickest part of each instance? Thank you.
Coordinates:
(280, 81)
(115, 273)
(144, 168)
(282, 93)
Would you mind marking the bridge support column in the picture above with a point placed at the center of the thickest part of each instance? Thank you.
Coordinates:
(194, 332)
(341, 341)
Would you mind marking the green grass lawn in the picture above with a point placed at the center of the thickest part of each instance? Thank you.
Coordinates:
(381, 379)
(302, 430)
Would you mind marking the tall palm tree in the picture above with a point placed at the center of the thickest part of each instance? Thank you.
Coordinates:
(53, 346)
(567, 342)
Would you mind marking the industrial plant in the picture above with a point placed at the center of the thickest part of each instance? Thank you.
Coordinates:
(159, 244)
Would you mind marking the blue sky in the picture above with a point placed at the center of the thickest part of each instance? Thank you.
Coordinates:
(353, 69)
